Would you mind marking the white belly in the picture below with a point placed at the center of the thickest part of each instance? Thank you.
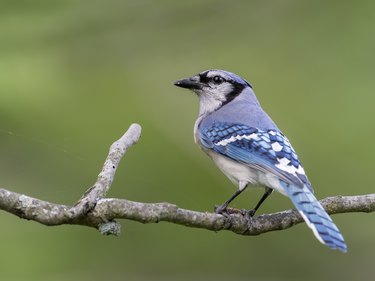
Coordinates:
(243, 175)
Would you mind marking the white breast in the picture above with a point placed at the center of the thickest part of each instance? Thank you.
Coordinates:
(243, 175)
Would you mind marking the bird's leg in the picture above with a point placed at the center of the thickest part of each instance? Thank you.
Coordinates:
(221, 209)
(248, 214)
(267, 192)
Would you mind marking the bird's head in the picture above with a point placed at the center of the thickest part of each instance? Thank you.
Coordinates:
(214, 88)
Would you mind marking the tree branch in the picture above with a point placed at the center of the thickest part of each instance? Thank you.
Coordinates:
(96, 211)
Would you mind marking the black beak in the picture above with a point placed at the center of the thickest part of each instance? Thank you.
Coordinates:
(189, 83)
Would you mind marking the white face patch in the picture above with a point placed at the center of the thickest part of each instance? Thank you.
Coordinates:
(215, 91)
(211, 98)
(216, 88)
(208, 104)
(222, 89)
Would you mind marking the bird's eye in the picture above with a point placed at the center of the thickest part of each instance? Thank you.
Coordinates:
(218, 79)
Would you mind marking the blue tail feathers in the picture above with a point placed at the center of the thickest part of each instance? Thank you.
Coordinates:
(315, 216)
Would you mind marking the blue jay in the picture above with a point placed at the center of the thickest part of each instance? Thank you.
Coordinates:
(247, 146)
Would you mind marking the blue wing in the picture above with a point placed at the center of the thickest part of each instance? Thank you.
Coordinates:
(270, 151)
(265, 150)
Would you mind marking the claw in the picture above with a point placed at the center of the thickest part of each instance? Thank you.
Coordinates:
(248, 214)
(221, 209)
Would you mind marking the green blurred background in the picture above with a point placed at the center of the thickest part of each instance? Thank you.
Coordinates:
(75, 74)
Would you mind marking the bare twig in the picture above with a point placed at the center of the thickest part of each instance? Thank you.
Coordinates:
(106, 176)
(96, 211)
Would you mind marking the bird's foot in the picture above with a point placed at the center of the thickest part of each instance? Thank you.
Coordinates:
(226, 211)
(248, 215)
(221, 210)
